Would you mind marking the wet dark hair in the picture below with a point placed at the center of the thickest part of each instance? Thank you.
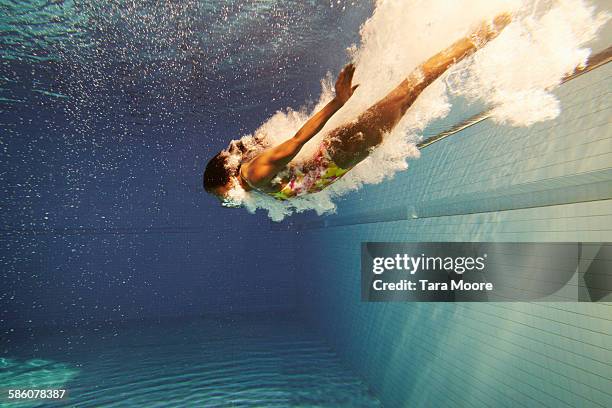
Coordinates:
(216, 174)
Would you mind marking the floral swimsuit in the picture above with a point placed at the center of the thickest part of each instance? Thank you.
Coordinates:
(322, 172)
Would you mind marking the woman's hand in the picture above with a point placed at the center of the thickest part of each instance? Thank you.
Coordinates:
(344, 87)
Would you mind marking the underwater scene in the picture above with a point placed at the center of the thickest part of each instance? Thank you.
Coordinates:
(196, 193)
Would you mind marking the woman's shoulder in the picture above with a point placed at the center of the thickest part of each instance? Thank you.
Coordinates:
(243, 176)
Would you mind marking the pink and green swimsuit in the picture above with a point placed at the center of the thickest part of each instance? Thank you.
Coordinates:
(320, 173)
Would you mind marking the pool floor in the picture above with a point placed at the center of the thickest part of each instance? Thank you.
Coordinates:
(237, 362)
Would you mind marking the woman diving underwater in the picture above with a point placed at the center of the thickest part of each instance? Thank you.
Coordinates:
(271, 170)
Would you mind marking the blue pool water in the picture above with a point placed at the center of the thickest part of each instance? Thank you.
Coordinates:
(123, 282)
(108, 112)
(215, 362)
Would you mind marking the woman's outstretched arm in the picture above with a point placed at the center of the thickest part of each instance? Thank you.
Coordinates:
(264, 167)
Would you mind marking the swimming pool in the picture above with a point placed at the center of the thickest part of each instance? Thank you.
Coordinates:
(237, 361)
(124, 284)
(551, 183)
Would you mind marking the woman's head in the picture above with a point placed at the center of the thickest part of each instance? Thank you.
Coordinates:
(220, 175)
(217, 178)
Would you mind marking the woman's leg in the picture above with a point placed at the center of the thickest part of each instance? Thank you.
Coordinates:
(350, 144)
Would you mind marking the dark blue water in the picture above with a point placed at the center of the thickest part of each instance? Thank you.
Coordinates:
(109, 111)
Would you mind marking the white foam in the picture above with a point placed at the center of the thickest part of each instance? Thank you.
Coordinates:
(514, 74)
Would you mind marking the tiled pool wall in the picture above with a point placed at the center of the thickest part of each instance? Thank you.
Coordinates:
(548, 182)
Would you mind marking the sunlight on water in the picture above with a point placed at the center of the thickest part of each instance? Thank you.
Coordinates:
(40, 30)
(514, 74)
(154, 63)
(35, 374)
